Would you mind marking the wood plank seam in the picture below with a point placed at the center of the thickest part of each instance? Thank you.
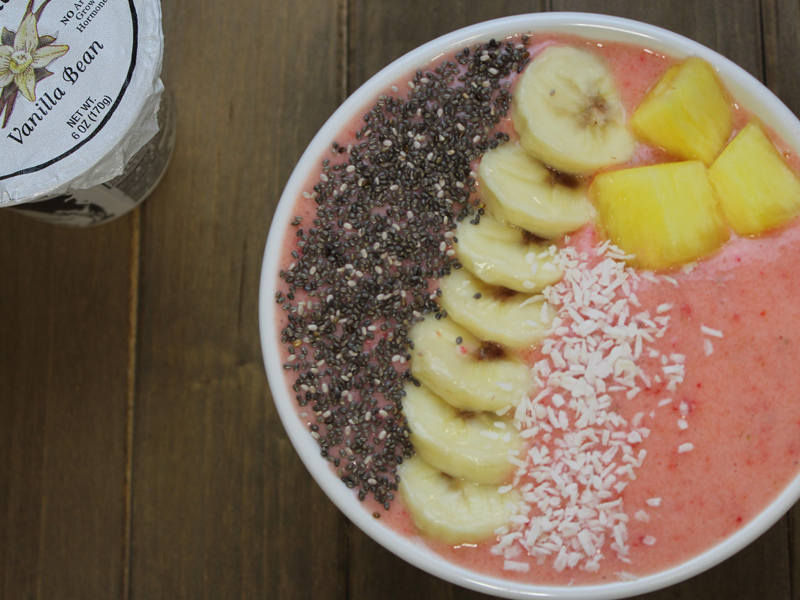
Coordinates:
(43, 507)
(344, 13)
(763, 42)
(130, 396)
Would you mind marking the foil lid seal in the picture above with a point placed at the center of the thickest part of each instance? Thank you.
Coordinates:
(79, 92)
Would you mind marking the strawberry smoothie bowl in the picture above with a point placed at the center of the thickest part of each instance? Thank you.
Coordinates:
(526, 307)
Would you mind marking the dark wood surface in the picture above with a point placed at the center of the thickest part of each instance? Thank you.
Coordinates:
(140, 454)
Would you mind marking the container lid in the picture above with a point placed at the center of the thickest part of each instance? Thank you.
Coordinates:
(79, 91)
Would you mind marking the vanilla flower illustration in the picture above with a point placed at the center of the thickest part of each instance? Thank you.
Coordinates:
(17, 62)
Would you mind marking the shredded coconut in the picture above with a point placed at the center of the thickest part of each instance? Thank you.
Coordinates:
(585, 453)
(712, 332)
(511, 565)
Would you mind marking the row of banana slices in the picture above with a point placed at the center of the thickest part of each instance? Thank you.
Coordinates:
(567, 114)
(470, 375)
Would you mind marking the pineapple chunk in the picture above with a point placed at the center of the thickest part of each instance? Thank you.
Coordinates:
(687, 113)
(665, 214)
(757, 191)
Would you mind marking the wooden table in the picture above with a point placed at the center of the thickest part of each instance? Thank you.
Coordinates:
(140, 454)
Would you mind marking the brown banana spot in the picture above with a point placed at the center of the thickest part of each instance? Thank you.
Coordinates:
(529, 238)
(564, 179)
(490, 351)
(502, 293)
(594, 113)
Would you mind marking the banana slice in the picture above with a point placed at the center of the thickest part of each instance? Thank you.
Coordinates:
(567, 112)
(453, 510)
(519, 190)
(505, 256)
(468, 374)
(493, 313)
(471, 446)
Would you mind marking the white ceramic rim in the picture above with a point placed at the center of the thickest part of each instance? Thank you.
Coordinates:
(748, 91)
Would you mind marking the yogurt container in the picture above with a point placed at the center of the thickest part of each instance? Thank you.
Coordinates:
(79, 102)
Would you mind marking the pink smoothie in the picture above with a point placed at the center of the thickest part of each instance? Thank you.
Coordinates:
(743, 414)
(740, 396)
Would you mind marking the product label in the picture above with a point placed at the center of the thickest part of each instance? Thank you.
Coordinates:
(64, 68)
(107, 201)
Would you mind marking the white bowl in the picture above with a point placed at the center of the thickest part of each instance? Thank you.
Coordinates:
(748, 91)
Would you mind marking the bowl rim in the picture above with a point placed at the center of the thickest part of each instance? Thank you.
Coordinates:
(748, 91)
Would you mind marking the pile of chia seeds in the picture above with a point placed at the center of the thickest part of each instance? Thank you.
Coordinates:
(363, 268)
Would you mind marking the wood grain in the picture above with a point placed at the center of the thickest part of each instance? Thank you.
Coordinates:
(731, 27)
(380, 32)
(781, 27)
(63, 376)
(222, 506)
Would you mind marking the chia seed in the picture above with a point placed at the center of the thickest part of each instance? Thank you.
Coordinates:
(385, 216)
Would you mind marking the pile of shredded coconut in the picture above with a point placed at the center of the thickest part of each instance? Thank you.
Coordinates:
(582, 453)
